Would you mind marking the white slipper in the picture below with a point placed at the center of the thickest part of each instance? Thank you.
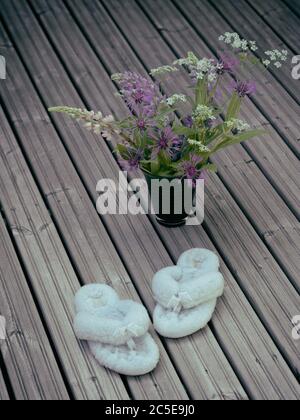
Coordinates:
(115, 326)
(187, 294)
(172, 324)
(177, 288)
(135, 362)
(204, 260)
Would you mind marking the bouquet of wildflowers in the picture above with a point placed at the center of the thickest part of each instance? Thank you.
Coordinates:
(157, 138)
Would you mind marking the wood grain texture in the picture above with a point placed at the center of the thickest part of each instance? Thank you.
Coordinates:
(271, 154)
(52, 277)
(87, 83)
(279, 107)
(4, 396)
(83, 232)
(294, 5)
(26, 352)
(225, 222)
(163, 383)
(271, 217)
(281, 19)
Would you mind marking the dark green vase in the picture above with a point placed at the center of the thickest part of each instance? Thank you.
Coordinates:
(171, 207)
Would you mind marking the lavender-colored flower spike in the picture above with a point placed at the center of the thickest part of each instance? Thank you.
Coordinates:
(141, 94)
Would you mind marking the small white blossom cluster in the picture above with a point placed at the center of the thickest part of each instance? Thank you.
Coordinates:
(93, 121)
(199, 68)
(204, 113)
(200, 146)
(191, 60)
(234, 40)
(117, 77)
(163, 70)
(239, 125)
(172, 100)
(275, 57)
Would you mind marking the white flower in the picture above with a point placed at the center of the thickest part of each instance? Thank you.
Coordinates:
(266, 62)
(172, 100)
(163, 70)
(117, 77)
(276, 57)
(200, 146)
(108, 120)
(235, 41)
(238, 125)
(204, 113)
(190, 60)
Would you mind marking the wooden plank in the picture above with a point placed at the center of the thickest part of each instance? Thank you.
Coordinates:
(3, 390)
(270, 152)
(242, 18)
(270, 216)
(52, 277)
(138, 251)
(226, 223)
(281, 19)
(81, 224)
(163, 383)
(294, 6)
(26, 352)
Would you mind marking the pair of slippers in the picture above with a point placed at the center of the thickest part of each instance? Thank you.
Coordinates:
(118, 330)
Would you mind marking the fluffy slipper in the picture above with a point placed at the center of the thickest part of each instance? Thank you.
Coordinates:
(171, 324)
(203, 260)
(177, 288)
(132, 362)
(116, 330)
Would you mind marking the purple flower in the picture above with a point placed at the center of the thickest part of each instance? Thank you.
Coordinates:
(190, 169)
(227, 64)
(245, 88)
(131, 162)
(140, 94)
(188, 121)
(165, 141)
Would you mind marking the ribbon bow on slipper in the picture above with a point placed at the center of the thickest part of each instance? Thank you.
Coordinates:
(116, 330)
(187, 293)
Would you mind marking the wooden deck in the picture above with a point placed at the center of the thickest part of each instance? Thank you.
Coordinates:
(53, 241)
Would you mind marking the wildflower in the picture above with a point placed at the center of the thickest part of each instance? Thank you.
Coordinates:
(275, 57)
(227, 64)
(165, 141)
(172, 100)
(190, 169)
(93, 121)
(234, 40)
(130, 162)
(237, 126)
(188, 121)
(163, 70)
(203, 113)
(266, 62)
(139, 93)
(245, 88)
(200, 146)
(190, 60)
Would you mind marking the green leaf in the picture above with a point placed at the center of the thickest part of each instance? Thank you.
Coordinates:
(210, 167)
(202, 92)
(122, 150)
(184, 131)
(232, 140)
(234, 107)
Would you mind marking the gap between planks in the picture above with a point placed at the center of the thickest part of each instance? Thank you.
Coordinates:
(45, 15)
